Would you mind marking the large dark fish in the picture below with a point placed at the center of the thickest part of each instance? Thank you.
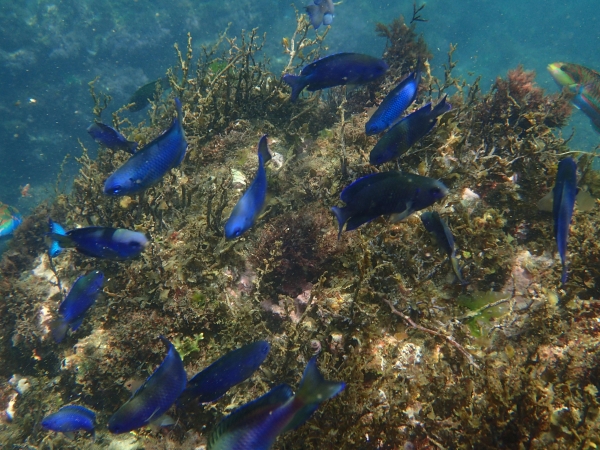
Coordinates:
(320, 12)
(395, 103)
(141, 97)
(439, 228)
(110, 138)
(384, 193)
(227, 371)
(80, 298)
(257, 424)
(565, 191)
(154, 398)
(69, 419)
(149, 164)
(407, 132)
(249, 206)
(99, 242)
(336, 70)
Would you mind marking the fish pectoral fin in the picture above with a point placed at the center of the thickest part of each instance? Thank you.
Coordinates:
(397, 217)
(163, 420)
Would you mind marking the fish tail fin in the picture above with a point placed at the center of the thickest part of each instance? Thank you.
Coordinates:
(263, 149)
(341, 216)
(315, 14)
(132, 147)
(56, 231)
(296, 83)
(58, 328)
(456, 270)
(563, 278)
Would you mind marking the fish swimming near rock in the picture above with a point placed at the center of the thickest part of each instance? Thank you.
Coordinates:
(336, 70)
(257, 424)
(386, 193)
(10, 219)
(153, 399)
(584, 83)
(320, 12)
(81, 297)
(439, 228)
(109, 137)
(227, 371)
(565, 191)
(250, 205)
(407, 132)
(141, 97)
(70, 418)
(99, 242)
(149, 164)
(395, 103)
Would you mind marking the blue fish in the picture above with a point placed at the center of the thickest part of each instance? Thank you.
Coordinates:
(249, 206)
(148, 165)
(384, 193)
(320, 12)
(80, 298)
(407, 132)
(227, 371)
(565, 191)
(110, 138)
(70, 418)
(99, 242)
(257, 424)
(336, 70)
(394, 104)
(154, 398)
(439, 228)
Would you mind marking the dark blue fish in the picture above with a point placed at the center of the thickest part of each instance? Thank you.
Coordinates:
(384, 193)
(257, 424)
(336, 70)
(394, 104)
(99, 242)
(110, 138)
(565, 191)
(249, 206)
(141, 97)
(227, 371)
(320, 12)
(80, 298)
(147, 166)
(154, 398)
(439, 228)
(407, 132)
(70, 418)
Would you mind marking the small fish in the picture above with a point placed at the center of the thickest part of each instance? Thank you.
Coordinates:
(394, 104)
(249, 206)
(25, 190)
(141, 97)
(69, 419)
(385, 193)
(154, 398)
(407, 132)
(99, 242)
(10, 219)
(80, 298)
(336, 70)
(111, 138)
(584, 83)
(149, 164)
(257, 424)
(320, 12)
(439, 228)
(227, 371)
(565, 191)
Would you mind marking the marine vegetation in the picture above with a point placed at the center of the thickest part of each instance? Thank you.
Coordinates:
(510, 360)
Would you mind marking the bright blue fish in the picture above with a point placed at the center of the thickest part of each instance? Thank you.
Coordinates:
(147, 166)
(249, 206)
(227, 371)
(80, 298)
(110, 138)
(154, 398)
(565, 191)
(384, 193)
(99, 242)
(336, 70)
(70, 418)
(320, 12)
(257, 424)
(407, 132)
(394, 104)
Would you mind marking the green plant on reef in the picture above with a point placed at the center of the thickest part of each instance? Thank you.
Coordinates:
(187, 346)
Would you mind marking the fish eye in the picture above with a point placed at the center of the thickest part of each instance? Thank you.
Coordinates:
(116, 190)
